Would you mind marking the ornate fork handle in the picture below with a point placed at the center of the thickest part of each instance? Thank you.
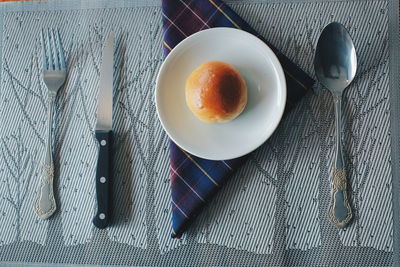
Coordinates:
(45, 204)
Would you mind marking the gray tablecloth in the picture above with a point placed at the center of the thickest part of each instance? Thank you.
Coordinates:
(271, 213)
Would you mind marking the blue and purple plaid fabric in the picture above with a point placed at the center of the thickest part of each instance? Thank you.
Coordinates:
(194, 181)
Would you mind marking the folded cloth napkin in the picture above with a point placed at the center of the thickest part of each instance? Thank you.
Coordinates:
(194, 181)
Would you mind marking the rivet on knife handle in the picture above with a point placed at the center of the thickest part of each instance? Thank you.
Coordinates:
(103, 180)
(340, 211)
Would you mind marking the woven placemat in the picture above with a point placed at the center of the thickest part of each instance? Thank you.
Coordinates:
(273, 212)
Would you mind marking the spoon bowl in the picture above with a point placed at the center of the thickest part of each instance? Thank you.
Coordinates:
(335, 58)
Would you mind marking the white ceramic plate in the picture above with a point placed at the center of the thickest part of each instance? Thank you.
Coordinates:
(266, 94)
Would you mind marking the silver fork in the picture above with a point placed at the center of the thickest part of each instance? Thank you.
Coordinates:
(54, 75)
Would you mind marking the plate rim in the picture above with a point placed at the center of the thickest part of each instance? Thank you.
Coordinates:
(275, 62)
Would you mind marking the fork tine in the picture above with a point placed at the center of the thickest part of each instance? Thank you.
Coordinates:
(60, 49)
(43, 50)
(56, 50)
(50, 51)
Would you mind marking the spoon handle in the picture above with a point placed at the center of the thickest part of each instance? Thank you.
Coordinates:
(339, 210)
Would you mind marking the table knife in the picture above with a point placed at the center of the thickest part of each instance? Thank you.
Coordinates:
(104, 136)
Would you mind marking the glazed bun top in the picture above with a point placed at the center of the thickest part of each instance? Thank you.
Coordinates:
(216, 92)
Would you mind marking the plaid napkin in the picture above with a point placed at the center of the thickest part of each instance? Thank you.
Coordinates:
(194, 181)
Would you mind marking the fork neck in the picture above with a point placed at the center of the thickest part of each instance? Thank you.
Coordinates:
(49, 157)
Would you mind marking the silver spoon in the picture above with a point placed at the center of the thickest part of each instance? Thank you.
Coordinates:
(335, 65)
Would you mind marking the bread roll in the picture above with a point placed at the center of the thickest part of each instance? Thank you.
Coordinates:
(216, 92)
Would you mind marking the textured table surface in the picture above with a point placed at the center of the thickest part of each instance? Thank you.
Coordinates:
(273, 212)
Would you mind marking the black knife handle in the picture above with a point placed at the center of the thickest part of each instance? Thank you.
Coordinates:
(103, 179)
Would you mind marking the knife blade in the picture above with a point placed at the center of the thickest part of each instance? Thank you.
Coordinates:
(104, 136)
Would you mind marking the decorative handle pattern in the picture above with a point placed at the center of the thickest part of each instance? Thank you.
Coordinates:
(340, 211)
(45, 205)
